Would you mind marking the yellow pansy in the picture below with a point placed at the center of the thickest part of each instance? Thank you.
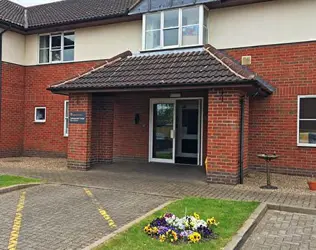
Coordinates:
(195, 237)
(196, 216)
(212, 221)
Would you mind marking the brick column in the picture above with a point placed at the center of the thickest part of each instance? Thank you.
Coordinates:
(79, 140)
(223, 137)
(246, 134)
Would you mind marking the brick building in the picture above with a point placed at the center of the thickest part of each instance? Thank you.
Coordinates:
(161, 81)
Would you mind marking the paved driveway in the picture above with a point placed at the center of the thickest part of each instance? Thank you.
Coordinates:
(65, 217)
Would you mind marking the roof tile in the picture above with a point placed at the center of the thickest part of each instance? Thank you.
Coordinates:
(200, 66)
(76, 10)
(11, 12)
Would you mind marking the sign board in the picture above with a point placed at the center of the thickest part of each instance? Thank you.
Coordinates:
(78, 117)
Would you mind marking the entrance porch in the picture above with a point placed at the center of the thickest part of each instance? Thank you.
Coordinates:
(179, 107)
(149, 127)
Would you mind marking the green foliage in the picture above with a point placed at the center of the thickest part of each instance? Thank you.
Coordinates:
(8, 180)
(230, 214)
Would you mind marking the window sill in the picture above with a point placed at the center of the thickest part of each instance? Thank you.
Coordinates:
(54, 63)
(306, 145)
(172, 48)
(40, 122)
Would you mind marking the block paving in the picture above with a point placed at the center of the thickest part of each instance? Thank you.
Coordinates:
(62, 216)
(284, 231)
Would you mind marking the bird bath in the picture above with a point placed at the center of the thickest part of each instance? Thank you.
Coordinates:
(268, 158)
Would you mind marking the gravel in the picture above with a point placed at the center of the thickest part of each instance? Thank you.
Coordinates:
(285, 183)
(35, 163)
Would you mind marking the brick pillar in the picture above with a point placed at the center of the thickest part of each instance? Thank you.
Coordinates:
(79, 140)
(246, 134)
(223, 137)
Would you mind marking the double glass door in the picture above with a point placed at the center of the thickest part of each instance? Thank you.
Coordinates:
(166, 143)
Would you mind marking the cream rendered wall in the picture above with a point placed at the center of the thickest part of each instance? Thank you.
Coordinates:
(94, 43)
(31, 48)
(275, 22)
(108, 40)
(280, 21)
(13, 48)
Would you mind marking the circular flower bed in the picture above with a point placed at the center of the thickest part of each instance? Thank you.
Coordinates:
(190, 229)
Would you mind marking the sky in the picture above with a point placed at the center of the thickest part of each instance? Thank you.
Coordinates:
(32, 2)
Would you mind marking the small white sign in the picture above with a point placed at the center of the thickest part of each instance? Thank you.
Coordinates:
(175, 95)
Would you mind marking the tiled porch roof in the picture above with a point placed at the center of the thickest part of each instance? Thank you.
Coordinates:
(199, 67)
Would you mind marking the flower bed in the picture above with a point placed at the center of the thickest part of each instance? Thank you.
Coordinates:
(188, 229)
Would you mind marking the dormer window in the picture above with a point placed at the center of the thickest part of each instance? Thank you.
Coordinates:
(175, 28)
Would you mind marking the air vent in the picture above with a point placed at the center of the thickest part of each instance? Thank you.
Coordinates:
(246, 60)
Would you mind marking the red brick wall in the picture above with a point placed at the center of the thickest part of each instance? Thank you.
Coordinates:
(47, 138)
(130, 139)
(246, 133)
(102, 128)
(79, 144)
(223, 137)
(273, 120)
(12, 110)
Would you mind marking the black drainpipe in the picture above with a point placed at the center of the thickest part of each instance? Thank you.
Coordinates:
(1, 33)
(241, 142)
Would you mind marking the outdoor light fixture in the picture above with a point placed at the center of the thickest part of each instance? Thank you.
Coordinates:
(137, 119)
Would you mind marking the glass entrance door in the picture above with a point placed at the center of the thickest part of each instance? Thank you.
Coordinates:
(163, 131)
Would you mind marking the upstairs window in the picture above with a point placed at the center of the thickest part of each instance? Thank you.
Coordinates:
(57, 47)
(175, 28)
(307, 121)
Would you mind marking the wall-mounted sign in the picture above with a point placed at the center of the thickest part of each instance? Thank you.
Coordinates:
(78, 117)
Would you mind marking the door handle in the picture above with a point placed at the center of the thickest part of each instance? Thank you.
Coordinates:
(172, 134)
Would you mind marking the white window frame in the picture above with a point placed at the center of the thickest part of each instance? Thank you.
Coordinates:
(201, 24)
(66, 130)
(35, 117)
(298, 121)
(50, 49)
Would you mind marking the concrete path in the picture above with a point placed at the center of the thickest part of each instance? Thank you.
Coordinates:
(64, 217)
(174, 183)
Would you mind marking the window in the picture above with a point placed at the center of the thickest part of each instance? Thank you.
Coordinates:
(40, 114)
(57, 47)
(307, 121)
(175, 28)
(66, 118)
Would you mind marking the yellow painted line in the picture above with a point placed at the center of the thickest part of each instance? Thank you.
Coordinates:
(13, 241)
(100, 208)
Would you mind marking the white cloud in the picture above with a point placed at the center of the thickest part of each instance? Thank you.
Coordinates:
(32, 2)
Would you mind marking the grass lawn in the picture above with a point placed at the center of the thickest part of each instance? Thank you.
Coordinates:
(230, 214)
(8, 180)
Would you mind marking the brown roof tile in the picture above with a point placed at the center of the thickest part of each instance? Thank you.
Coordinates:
(204, 66)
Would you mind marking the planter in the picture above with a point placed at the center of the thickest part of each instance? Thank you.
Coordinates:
(312, 185)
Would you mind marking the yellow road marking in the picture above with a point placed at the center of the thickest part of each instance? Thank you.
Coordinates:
(13, 241)
(100, 208)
